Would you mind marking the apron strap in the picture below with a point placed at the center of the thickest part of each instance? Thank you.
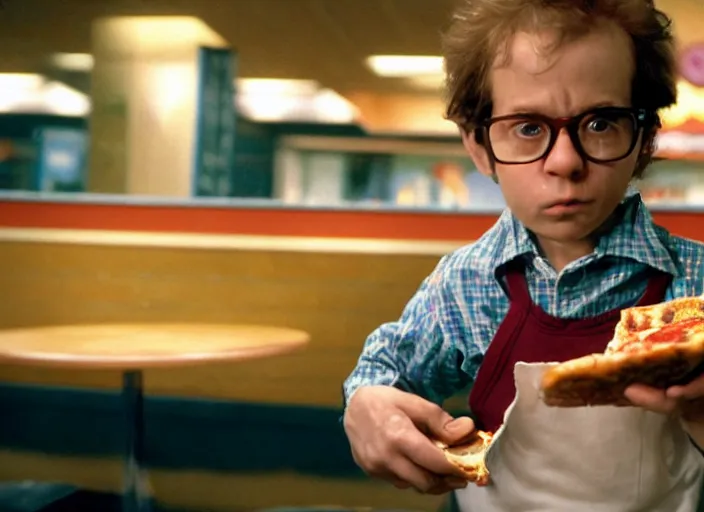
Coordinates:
(658, 283)
(516, 286)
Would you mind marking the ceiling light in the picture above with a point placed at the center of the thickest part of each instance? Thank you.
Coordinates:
(288, 100)
(276, 86)
(405, 65)
(82, 62)
(32, 93)
(63, 100)
(331, 107)
(11, 82)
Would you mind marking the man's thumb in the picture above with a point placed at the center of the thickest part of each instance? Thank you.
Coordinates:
(455, 430)
(436, 422)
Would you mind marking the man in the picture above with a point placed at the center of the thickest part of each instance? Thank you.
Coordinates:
(557, 101)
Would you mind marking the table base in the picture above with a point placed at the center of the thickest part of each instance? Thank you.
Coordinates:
(136, 495)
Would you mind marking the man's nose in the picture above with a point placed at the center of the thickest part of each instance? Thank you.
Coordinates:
(563, 159)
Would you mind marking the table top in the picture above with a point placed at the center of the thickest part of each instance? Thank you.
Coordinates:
(137, 346)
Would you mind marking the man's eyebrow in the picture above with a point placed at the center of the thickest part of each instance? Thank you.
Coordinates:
(527, 111)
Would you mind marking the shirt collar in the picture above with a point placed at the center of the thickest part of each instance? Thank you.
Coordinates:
(635, 236)
(507, 240)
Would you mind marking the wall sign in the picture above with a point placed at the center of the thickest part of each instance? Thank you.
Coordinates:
(215, 130)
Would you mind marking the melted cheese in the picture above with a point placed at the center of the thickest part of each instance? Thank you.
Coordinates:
(617, 344)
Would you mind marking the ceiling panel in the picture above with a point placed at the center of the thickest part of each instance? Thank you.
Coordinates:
(320, 39)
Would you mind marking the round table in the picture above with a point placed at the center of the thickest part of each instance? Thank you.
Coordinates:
(132, 348)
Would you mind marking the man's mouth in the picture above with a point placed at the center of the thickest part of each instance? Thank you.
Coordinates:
(566, 206)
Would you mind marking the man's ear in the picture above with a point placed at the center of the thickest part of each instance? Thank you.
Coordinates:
(645, 155)
(477, 153)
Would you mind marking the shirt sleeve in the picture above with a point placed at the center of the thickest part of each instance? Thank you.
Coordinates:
(424, 350)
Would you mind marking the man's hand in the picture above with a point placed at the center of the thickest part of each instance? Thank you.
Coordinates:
(389, 432)
(686, 401)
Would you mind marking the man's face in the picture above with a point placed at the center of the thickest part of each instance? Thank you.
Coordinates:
(562, 197)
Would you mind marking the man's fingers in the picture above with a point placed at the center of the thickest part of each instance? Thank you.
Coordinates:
(456, 431)
(400, 484)
(426, 454)
(404, 470)
(692, 410)
(390, 434)
(424, 412)
(688, 400)
(448, 484)
(434, 421)
(691, 391)
(655, 400)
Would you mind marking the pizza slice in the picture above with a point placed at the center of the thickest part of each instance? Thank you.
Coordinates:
(658, 346)
(469, 456)
(641, 319)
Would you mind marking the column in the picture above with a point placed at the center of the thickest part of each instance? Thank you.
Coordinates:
(144, 93)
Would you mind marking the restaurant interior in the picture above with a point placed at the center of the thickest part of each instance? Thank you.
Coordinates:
(279, 167)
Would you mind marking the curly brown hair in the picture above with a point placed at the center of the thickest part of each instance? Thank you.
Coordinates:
(482, 29)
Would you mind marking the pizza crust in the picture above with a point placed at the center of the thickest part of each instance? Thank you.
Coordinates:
(601, 379)
(470, 457)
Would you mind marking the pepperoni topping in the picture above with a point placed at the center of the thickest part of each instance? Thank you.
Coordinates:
(668, 315)
(673, 333)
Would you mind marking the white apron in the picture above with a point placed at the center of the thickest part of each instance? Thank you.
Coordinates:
(585, 459)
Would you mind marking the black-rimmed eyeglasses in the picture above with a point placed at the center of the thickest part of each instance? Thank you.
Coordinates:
(601, 135)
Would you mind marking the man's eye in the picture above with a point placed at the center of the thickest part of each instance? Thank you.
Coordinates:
(529, 129)
(599, 125)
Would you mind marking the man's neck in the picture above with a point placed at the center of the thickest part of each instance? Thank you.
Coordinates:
(561, 254)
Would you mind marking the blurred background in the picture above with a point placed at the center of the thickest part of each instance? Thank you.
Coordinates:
(311, 102)
(282, 162)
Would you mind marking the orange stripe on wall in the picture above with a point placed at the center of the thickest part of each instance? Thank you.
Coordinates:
(245, 221)
(278, 222)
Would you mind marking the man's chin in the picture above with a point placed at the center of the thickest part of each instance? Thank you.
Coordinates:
(568, 231)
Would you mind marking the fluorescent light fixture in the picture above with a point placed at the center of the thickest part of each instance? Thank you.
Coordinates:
(260, 99)
(63, 100)
(289, 100)
(331, 107)
(276, 86)
(405, 65)
(19, 82)
(82, 62)
(273, 99)
(20, 91)
(32, 93)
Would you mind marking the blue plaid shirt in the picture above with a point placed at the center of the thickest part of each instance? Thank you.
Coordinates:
(436, 347)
